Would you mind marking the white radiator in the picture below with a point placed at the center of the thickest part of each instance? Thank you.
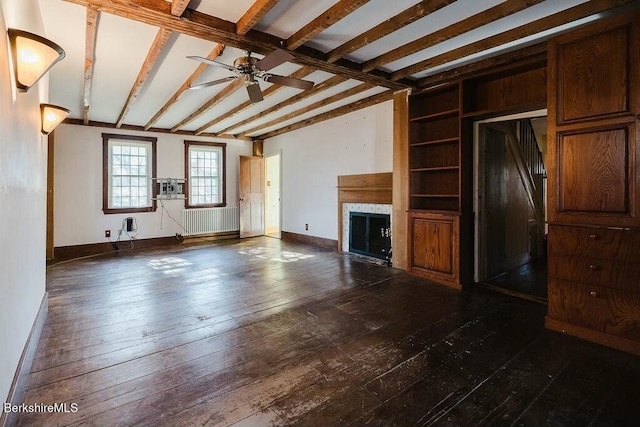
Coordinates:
(210, 220)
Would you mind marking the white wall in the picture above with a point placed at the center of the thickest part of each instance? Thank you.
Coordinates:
(314, 156)
(23, 163)
(78, 216)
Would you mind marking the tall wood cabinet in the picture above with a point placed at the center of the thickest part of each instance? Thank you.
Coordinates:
(435, 164)
(594, 183)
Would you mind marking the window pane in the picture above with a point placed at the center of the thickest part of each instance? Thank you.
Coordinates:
(130, 179)
(204, 180)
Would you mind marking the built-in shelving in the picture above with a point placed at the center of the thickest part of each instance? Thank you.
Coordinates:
(434, 150)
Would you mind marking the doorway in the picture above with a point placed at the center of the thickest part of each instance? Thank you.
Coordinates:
(510, 204)
(272, 196)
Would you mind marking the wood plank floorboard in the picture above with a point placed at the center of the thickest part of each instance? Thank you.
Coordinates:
(265, 332)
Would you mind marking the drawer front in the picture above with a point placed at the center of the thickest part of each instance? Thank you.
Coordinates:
(606, 310)
(621, 245)
(596, 271)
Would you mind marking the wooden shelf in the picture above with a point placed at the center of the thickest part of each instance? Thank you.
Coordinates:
(435, 169)
(438, 115)
(435, 142)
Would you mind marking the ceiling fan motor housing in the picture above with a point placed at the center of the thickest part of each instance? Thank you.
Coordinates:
(246, 65)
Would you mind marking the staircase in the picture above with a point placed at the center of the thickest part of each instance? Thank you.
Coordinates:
(522, 143)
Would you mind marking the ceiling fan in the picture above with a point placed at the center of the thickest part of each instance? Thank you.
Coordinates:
(250, 68)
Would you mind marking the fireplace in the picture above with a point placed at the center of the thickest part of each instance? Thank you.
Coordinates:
(369, 234)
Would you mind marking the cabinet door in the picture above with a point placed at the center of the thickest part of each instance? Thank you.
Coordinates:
(434, 247)
(593, 103)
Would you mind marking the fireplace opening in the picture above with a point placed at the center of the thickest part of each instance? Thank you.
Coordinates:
(369, 234)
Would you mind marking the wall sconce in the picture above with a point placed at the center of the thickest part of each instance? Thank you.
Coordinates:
(32, 57)
(51, 116)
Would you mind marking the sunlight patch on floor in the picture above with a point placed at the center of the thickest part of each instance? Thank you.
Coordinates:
(281, 256)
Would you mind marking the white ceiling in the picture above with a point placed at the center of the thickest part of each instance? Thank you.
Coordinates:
(122, 45)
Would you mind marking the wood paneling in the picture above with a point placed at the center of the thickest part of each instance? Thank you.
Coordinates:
(400, 223)
(593, 171)
(433, 249)
(513, 90)
(585, 88)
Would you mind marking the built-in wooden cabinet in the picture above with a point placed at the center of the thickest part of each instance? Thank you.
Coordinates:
(594, 186)
(435, 184)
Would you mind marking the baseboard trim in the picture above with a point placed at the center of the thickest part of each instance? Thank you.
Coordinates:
(16, 392)
(64, 253)
(213, 237)
(320, 242)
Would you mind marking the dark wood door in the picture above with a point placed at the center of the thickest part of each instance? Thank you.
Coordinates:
(251, 196)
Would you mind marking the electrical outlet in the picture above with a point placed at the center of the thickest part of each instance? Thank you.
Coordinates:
(306, 227)
(107, 233)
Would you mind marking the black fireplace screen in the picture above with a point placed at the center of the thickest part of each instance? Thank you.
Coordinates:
(369, 234)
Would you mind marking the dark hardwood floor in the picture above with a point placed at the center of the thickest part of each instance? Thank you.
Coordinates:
(265, 332)
(526, 281)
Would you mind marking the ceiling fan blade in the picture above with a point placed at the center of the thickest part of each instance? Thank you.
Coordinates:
(211, 62)
(289, 81)
(255, 94)
(213, 82)
(274, 59)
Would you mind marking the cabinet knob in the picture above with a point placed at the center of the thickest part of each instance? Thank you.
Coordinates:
(594, 237)
(593, 294)
(594, 267)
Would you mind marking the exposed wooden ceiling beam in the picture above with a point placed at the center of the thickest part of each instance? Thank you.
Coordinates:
(534, 53)
(323, 21)
(254, 15)
(474, 21)
(299, 74)
(387, 27)
(569, 15)
(217, 51)
(323, 102)
(89, 59)
(159, 130)
(152, 56)
(355, 106)
(228, 90)
(333, 81)
(206, 27)
(178, 7)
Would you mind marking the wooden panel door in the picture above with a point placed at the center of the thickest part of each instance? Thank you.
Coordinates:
(433, 251)
(593, 104)
(251, 196)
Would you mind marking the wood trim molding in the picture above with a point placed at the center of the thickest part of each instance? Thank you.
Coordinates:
(187, 172)
(320, 242)
(400, 225)
(105, 172)
(66, 253)
(365, 188)
(18, 386)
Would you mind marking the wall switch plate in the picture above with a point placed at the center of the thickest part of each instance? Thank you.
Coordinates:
(107, 233)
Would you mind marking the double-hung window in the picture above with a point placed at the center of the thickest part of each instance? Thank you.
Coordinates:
(128, 168)
(205, 174)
